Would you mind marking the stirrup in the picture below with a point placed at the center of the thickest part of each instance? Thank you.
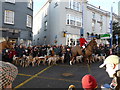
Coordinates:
(70, 62)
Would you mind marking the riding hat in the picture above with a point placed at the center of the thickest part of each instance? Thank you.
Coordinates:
(111, 59)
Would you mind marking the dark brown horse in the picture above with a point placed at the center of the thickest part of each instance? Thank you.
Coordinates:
(5, 44)
(88, 51)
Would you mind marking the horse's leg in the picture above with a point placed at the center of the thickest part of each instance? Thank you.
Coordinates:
(85, 59)
(89, 60)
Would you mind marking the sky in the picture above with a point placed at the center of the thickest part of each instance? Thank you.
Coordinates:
(104, 4)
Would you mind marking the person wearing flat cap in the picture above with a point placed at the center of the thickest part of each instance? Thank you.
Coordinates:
(112, 65)
(8, 73)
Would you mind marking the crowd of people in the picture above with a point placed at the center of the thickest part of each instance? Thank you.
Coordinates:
(112, 62)
(42, 50)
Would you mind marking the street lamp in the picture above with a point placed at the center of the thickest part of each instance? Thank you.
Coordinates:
(82, 29)
(111, 26)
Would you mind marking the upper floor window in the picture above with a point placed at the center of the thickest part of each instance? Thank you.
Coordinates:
(29, 21)
(100, 26)
(93, 25)
(93, 15)
(11, 1)
(74, 4)
(68, 19)
(9, 17)
(45, 13)
(101, 17)
(30, 4)
(78, 22)
(45, 25)
(73, 20)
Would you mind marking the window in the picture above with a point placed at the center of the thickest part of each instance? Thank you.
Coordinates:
(100, 26)
(29, 21)
(68, 19)
(78, 6)
(74, 4)
(30, 2)
(9, 17)
(45, 13)
(93, 25)
(93, 15)
(101, 17)
(45, 25)
(78, 22)
(11, 1)
(72, 20)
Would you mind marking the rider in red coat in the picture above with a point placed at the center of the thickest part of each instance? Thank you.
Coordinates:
(82, 41)
(82, 44)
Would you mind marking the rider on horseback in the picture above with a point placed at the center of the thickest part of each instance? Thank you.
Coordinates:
(82, 44)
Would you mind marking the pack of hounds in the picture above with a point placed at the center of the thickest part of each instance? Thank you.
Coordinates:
(26, 61)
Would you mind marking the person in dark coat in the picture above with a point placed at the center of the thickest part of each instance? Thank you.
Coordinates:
(21, 51)
(67, 55)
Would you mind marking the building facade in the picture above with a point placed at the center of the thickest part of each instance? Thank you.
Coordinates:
(63, 22)
(16, 21)
(119, 8)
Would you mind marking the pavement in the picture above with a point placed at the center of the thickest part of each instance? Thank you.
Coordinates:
(58, 76)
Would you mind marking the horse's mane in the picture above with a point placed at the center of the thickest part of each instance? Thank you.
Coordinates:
(90, 43)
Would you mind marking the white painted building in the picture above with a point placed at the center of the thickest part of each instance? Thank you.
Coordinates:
(57, 17)
(119, 8)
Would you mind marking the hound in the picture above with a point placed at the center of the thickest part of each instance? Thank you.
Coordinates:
(79, 58)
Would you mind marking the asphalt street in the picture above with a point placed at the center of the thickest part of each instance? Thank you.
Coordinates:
(58, 76)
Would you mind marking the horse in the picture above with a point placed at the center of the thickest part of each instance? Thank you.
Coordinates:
(89, 51)
(6, 45)
(77, 50)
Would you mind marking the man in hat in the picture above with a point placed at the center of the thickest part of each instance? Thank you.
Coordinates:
(112, 64)
(82, 41)
(82, 44)
(8, 73)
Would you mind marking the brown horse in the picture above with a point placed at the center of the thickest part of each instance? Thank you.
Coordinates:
(5, 44)
(88, 51)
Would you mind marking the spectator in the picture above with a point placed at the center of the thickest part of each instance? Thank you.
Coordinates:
(89, 82)
(112, 64)
(71, 87)
(7, 75)
(67, 56)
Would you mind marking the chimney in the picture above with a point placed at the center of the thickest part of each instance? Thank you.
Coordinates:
(99, 7)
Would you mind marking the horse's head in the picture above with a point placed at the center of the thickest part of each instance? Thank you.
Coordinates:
(93, 43)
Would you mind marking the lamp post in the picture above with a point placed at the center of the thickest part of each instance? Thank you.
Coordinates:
(111, 26)
(82, 29)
